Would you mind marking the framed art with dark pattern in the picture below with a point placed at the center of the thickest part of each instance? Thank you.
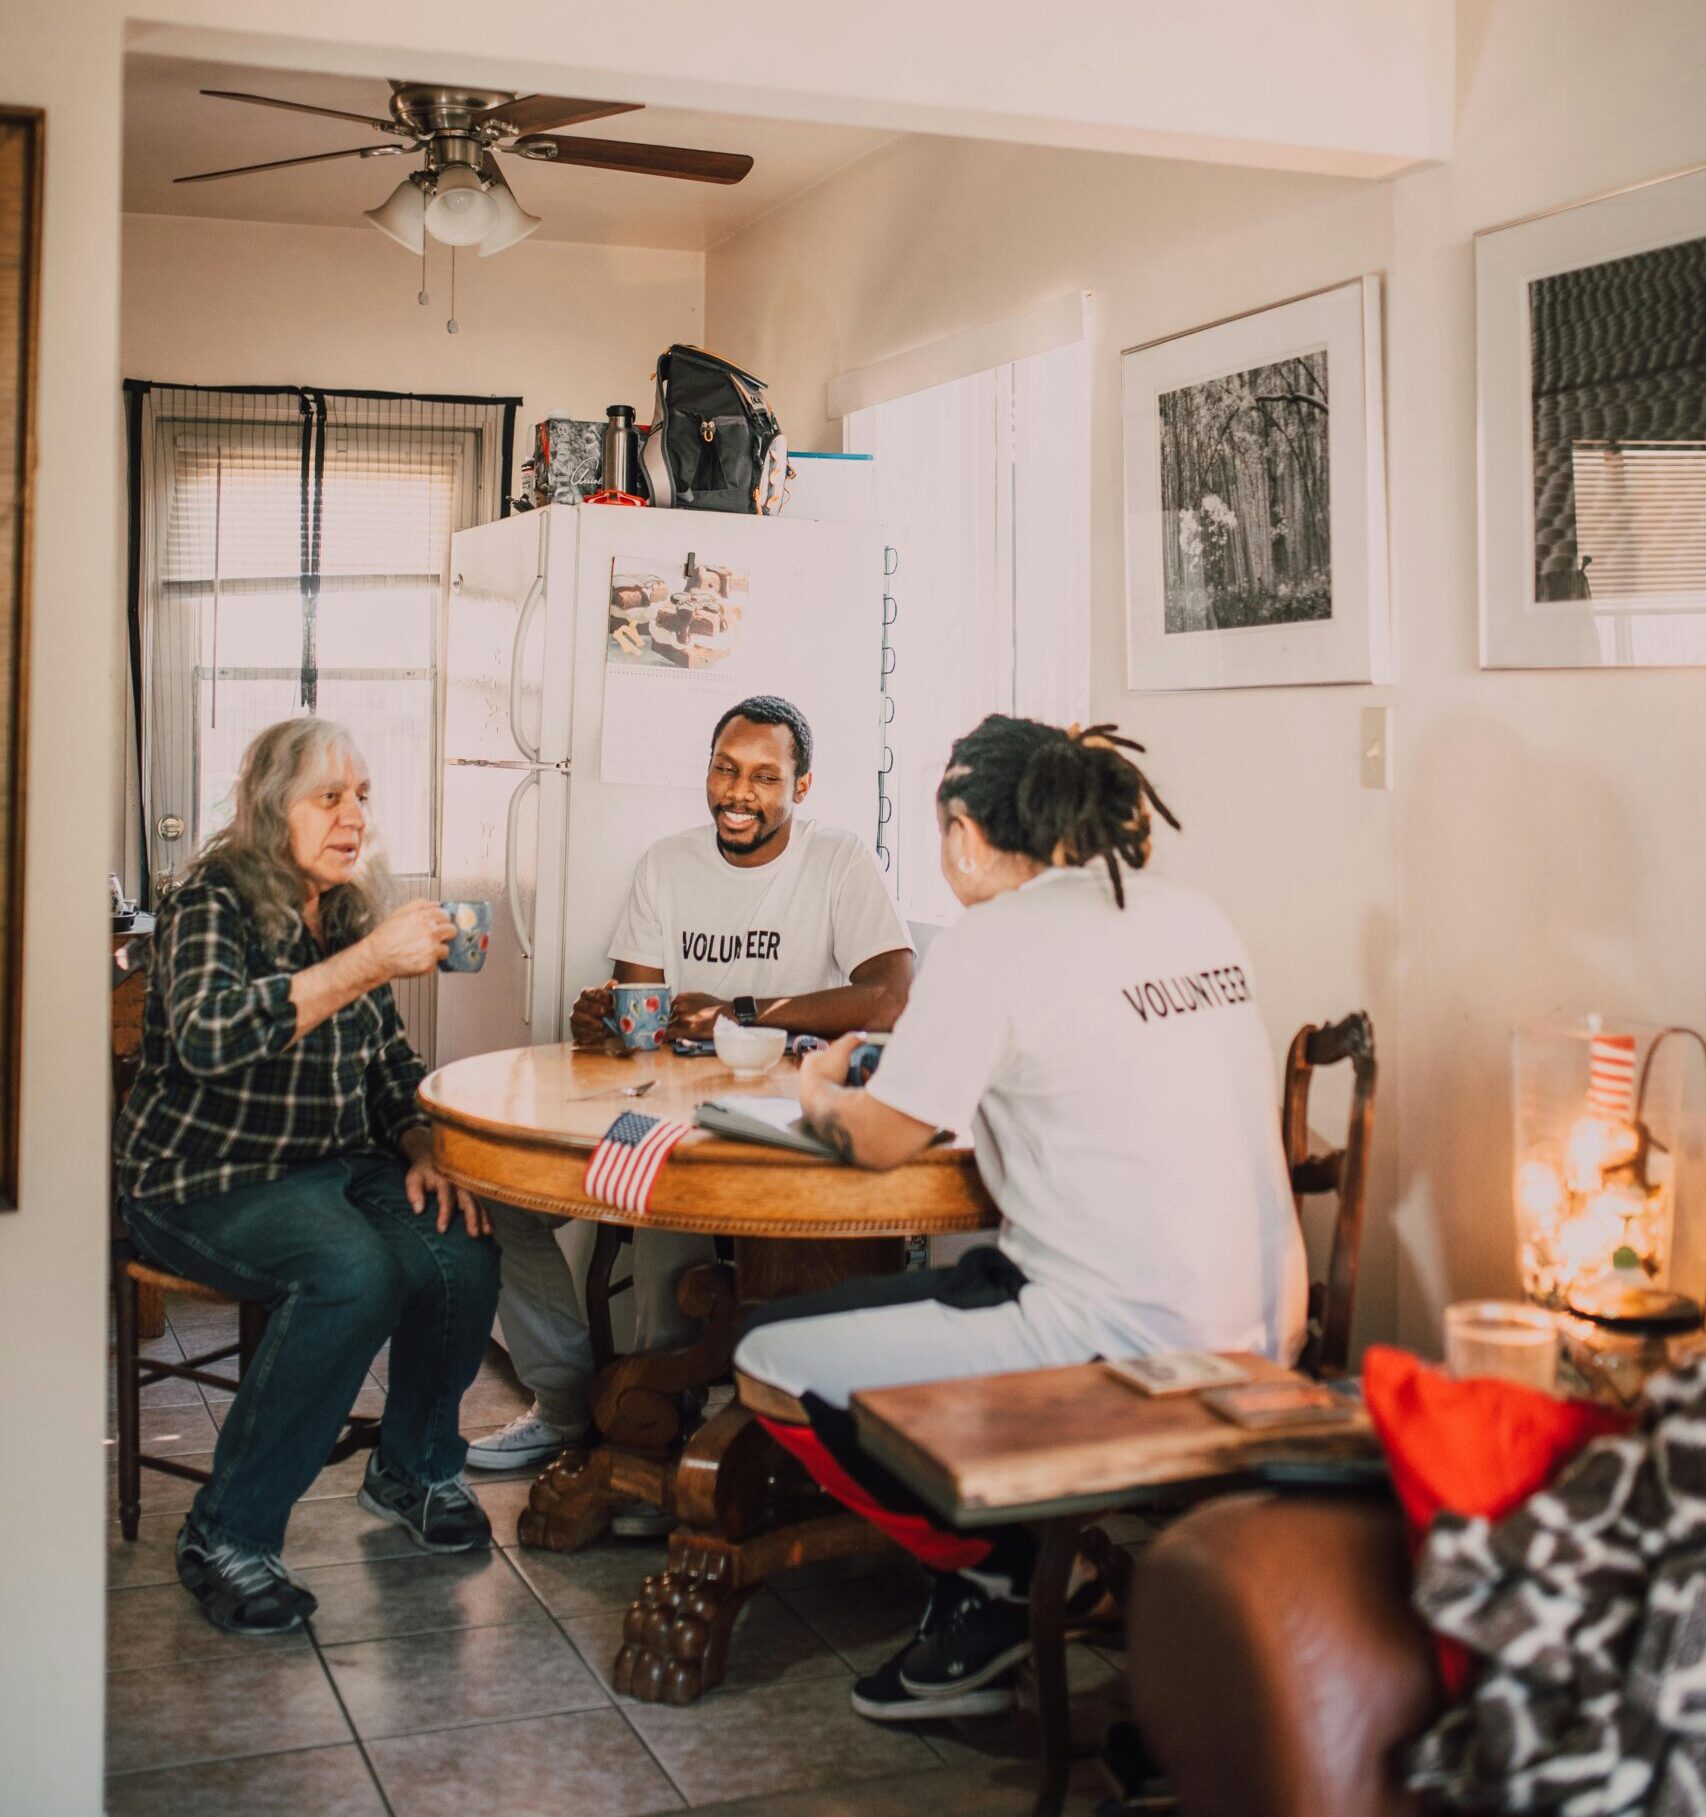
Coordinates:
(20, 268)
(1591, 385)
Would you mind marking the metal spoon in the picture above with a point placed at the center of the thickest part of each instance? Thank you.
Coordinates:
(613, 1091)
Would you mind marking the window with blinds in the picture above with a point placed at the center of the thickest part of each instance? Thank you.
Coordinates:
(1640, 517)
(984, 493)
(289, 555)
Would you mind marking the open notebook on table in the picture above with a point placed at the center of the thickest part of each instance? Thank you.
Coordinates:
(776, 1122)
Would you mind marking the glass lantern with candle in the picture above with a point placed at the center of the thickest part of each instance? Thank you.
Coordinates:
(1598, 1125)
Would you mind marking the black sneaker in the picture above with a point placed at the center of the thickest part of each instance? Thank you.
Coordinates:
(881, 1697)
(973, 1642)
(438, 1517)
(241, 1592)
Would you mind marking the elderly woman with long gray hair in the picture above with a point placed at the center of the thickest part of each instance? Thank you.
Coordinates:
(272, 1149)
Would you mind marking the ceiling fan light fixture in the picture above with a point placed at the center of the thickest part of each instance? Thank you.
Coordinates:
(514, 223)
(462, 212)
(402, 216)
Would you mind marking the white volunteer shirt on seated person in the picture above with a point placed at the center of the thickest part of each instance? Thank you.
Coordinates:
(1115, 1075)
(801, 923)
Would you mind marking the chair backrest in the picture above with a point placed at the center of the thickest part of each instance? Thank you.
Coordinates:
(1343, 1172)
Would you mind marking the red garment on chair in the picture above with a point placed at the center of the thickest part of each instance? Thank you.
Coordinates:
(1477, 1447)
(938, 1548)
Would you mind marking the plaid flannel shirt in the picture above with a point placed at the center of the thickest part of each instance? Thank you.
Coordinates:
(226, 1095)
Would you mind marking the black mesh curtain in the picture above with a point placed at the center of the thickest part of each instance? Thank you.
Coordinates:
(288, 551)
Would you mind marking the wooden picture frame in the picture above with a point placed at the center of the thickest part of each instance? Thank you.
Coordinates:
(22, 134)
(1255, 499)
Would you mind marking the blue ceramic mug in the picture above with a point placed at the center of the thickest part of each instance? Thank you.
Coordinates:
(473, 924)
(642, 1010)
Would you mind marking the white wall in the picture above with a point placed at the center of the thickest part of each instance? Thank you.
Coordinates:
(1337, 85)
(1543, 848)
(927, 236)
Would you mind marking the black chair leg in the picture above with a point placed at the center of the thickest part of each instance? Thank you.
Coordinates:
(129, 1405)
(251, 1328)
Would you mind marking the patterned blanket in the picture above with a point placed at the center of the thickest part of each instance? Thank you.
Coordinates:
(1586, 1609)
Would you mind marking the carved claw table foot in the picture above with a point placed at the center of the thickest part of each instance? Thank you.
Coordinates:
(675, 1638)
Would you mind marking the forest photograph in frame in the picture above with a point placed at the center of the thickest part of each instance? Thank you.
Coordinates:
(1255, 497)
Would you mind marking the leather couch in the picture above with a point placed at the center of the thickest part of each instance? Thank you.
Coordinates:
(1276, 1663)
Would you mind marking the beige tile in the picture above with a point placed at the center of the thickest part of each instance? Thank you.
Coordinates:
(170, 1431)
(150, 1558)
(315, 1782)
(864, 1622)
(336, 1530)
(371, 1399)
(162, 1624)
(384, 1597)
(589, 1765)
(160, 1494)
(602, 1577)
(1099, 1697)
(490, 1400)
(468, 1675)
(220, 1709)
(338, 1479)
(503, 1498)
(941, 1790)
(783, 1738)
(168, 1393)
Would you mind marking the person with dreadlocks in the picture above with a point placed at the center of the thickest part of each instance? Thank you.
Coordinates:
(1095, 1029)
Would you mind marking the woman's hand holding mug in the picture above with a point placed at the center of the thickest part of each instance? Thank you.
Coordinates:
(410, 940)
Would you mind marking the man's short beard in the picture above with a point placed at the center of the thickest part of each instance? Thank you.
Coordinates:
(745, 851)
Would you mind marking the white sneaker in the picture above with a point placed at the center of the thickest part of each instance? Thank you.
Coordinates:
(528, 1439)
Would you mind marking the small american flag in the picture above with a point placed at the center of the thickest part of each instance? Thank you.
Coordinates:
(627, 1159)
(1611, 1076)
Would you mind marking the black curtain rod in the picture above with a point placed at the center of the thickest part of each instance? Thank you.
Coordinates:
(140, 386)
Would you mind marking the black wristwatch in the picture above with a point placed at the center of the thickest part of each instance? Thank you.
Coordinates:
(746, 1010)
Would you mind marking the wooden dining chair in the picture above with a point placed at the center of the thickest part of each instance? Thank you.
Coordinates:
(1342, 1172)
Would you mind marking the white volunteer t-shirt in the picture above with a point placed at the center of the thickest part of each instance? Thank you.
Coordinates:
(1115, 1075)
(803, 922)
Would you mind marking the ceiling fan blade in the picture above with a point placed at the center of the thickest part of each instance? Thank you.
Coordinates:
(302, 107)
(648, 160)
(318, 157)
(545, 113)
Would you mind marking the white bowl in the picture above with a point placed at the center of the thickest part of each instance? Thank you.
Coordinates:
(748, 1053)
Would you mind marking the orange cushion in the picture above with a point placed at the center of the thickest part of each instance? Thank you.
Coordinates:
(1477, 1447)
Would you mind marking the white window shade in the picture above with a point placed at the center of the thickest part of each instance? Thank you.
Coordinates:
(1640, 517)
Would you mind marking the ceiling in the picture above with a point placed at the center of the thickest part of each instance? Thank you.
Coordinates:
(172, 130)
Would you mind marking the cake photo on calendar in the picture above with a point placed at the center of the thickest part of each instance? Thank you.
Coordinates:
(689, 619)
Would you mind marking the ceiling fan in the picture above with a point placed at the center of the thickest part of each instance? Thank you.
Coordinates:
(460, 194)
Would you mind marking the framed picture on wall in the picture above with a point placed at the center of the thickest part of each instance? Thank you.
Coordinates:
(20, 267)
(1255, 499)
(1590, 340)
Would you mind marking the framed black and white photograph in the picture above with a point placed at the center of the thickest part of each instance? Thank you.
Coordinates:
(1256, 499)
(1591, 379)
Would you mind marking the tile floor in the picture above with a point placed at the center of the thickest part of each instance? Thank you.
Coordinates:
(439, 1687)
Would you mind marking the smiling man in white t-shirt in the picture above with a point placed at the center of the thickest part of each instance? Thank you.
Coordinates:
(761, 916)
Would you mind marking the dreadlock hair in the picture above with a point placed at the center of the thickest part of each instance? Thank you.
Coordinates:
(1057, 797)
(773, 710)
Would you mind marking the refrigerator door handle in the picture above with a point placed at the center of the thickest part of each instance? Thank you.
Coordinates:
(523, 938)
(530, 605)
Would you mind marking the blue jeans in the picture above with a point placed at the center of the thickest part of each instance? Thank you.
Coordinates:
(342, 1263)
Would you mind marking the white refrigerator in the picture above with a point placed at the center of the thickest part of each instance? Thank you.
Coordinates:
(545, 817)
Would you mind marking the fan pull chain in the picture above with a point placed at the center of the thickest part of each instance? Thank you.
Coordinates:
(452, 326)
(423, 299)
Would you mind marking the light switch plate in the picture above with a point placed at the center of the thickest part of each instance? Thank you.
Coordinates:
(1377, 747)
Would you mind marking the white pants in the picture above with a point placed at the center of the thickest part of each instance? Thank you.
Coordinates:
(539, 1306)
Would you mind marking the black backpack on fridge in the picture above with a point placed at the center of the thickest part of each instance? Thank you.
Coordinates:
(714, 444)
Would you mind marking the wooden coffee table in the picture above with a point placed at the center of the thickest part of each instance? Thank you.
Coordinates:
(518, 1126)
(1056, 1447)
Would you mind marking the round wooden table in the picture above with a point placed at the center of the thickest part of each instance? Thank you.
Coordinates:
(518, 1126)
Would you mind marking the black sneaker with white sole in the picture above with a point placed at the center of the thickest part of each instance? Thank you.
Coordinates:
(241, 1592)
(974, 1641)
(438, 1517)
(881, 1697)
